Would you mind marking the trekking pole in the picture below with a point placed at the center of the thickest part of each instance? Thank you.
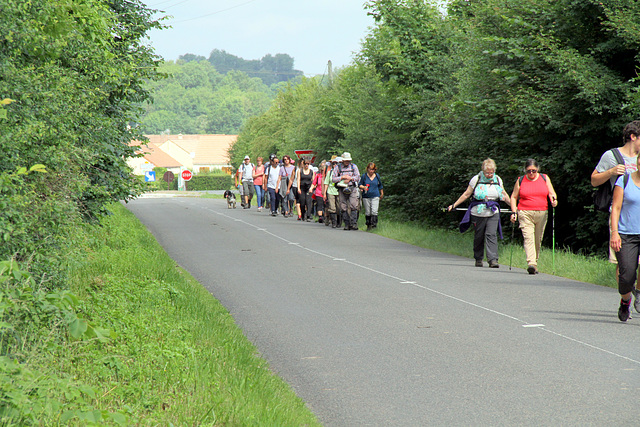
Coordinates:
(553, 240)
(513, 228)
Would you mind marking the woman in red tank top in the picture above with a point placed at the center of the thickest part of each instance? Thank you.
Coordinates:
(529, 204)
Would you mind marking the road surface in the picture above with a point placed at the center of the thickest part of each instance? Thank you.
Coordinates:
(373, 332)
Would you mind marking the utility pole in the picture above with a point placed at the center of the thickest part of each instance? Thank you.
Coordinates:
(330, 72)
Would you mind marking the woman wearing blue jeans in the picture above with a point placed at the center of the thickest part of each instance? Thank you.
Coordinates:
(258, 177)
(625, 236)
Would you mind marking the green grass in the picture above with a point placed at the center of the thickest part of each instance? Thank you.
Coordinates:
(564, 263)
(177, 356)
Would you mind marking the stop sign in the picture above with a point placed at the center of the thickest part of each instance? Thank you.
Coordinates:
(186, 174)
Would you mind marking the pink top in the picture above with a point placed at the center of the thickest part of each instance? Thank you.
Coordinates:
(533, 195)
(317, 181)
(258, 170)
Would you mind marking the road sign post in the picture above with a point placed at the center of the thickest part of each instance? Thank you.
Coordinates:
(186, 175)
(168, 178)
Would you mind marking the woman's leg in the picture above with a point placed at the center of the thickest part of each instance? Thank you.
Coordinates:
(479, 226)
(527, 226)
(628, 263)
(259, 195)
(308, 210)
(540, 218)
(491, 238)
(627, 267)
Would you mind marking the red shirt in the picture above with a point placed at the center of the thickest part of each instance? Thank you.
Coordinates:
(533, 194)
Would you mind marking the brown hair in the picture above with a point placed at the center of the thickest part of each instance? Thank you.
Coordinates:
(372, 166)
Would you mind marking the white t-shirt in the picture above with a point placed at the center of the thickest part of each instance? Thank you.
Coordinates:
(247, 171)
(273, 173)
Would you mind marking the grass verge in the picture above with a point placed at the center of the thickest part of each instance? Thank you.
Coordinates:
(563, 263)
(176, 356)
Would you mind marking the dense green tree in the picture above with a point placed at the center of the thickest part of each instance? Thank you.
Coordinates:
(196, 99)
(75, 71)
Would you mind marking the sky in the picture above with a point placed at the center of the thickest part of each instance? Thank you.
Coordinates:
(312, 32)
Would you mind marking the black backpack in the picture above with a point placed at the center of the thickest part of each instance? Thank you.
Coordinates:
(604, 193)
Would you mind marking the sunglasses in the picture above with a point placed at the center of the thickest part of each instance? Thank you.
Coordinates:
(532, 170)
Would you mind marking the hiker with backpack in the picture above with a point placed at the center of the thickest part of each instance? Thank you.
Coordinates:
(331, 194)
(346, 177)
(486, 190)
(285, 181)
(625, 236)
(372, 193)
(613, 164)
(529, 203)
(247, 181)
(270, 183)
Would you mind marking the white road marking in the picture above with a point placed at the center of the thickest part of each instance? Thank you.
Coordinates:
(403, 281)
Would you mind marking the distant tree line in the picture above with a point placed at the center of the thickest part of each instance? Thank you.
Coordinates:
(215, 96)
(432, 94)
(270, 69)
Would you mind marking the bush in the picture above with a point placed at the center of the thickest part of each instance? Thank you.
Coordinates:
(210, 181)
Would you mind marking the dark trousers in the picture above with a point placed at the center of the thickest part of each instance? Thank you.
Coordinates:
(273, 199)
(306, 204)
(485, 237)
(628, 262)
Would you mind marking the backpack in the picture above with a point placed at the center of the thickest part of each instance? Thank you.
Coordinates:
(335, 184)
(480, 175)
(522, 177)
(604, 193)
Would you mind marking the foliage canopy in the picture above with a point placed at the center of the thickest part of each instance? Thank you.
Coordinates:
(432, 94)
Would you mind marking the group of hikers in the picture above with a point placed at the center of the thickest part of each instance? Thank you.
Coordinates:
(334, 190)
(617, 177)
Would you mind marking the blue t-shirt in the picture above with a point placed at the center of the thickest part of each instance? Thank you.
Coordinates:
(374, 186)
(630, 213)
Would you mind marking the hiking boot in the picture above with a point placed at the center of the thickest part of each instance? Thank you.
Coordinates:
(345, 220)
(636, 303)
(479, 263)
(494, 264)
(354, 220)
(623, 312)
(532, 269)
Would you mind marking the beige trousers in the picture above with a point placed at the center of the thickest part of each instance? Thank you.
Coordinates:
(532, 224)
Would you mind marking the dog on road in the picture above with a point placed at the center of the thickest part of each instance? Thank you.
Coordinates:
(231, 199)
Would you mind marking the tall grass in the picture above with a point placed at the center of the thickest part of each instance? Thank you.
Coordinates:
(176, 357)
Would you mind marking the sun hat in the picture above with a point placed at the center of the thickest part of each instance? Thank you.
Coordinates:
(346, 156)
(338, 159)
(333, 158)
(247, 158)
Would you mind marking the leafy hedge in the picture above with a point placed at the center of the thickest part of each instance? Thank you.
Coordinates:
(210, 182)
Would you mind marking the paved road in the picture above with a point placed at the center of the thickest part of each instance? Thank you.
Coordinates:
(373, 332)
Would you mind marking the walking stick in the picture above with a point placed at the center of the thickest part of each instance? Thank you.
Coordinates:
(553, 240)
(513, 227)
